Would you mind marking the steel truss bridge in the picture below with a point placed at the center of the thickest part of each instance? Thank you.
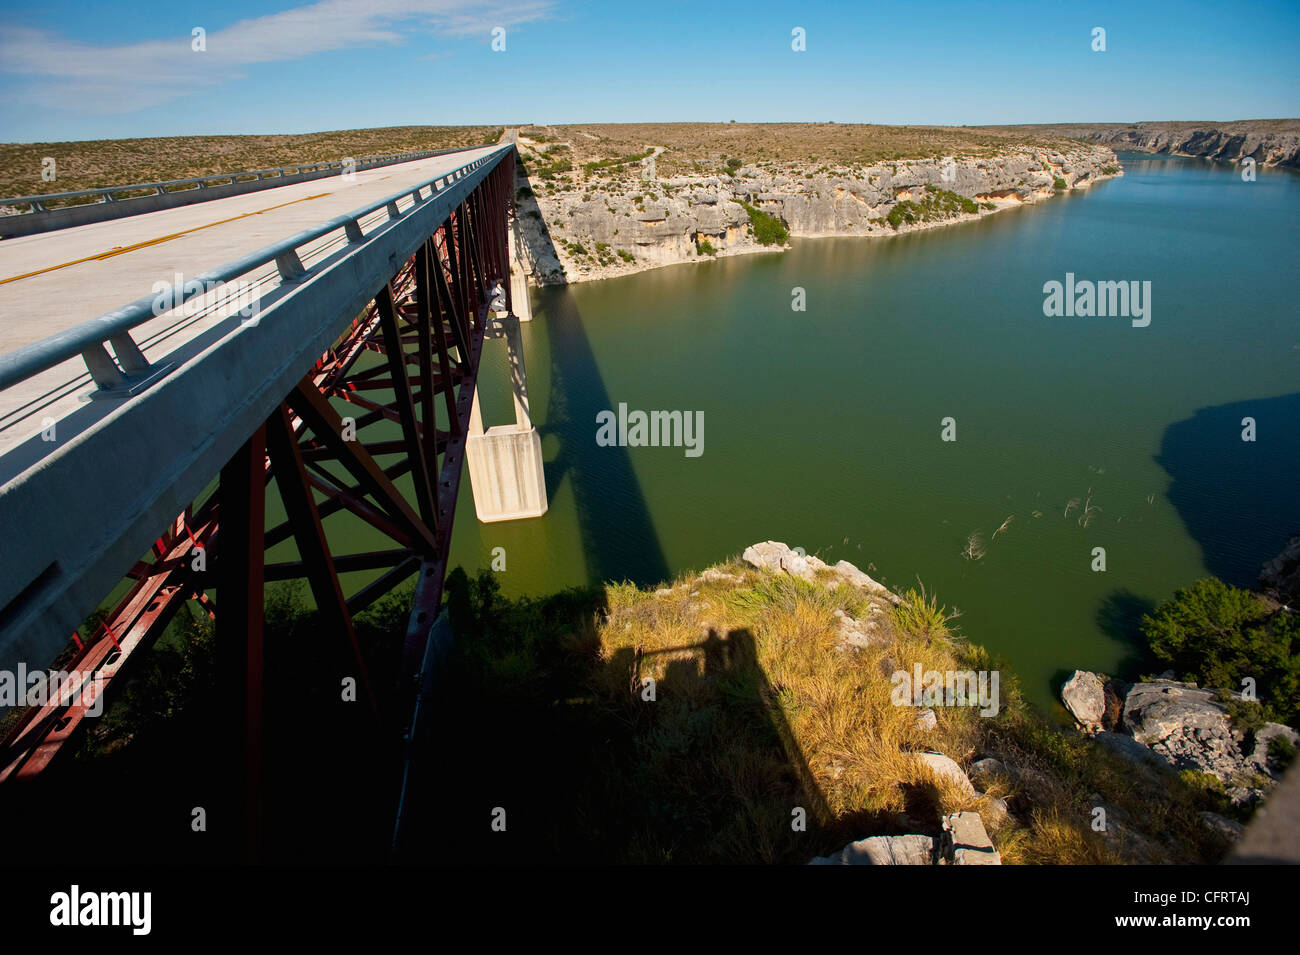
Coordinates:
(163, 488)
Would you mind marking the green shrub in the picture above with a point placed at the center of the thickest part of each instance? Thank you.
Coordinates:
(1059, 183)
(705, 247)
(1217, 635)
(936, 205)
(768, 229)
(615, 163)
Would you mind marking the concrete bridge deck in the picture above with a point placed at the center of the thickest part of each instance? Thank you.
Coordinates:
(54, 281)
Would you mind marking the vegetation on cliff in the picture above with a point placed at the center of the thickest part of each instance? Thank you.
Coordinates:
(934, 206)
(768, 229)
(1220, 636)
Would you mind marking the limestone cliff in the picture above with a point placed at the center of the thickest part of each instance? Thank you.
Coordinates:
(1273, 142)
(596, 227)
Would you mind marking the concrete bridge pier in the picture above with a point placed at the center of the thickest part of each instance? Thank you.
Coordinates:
(519, 270)
(505, 462)
(519, 292)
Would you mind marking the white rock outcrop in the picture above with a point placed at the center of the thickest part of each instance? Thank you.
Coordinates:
(1084, 695)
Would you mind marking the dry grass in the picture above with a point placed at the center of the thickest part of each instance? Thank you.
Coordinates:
(831, 709)
(852, 751)
(95, 164)
(690, 146)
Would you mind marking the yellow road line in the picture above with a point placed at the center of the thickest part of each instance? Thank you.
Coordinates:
(166, 238)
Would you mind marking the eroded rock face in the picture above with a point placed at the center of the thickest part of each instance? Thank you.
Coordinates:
(596, 228)
(1084, 695)
(1226, 141)
(1188, 728)
(1185, 725)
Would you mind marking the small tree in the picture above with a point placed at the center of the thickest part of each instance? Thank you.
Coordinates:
(1218, 635)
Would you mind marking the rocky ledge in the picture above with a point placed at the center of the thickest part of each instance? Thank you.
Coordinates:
(1268, 142)
(1163, 724)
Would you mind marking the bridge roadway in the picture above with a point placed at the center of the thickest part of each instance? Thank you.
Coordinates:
(57, 280)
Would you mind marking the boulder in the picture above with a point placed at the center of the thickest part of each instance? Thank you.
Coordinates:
(998, 810)
(778, 558)
(926, 720)
(1186, 726)
(984, 771)
(1084, 695)
(851, 575)
(766, 556)
(883, 850)
(965, 841)
(946, 768)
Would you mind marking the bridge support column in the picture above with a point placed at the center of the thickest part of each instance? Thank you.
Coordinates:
(519, 292)
(505, 462)
(519, 302)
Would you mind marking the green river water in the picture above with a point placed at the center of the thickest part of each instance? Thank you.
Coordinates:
(822, 428)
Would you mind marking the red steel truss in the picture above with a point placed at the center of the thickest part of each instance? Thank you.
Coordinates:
(428, 324)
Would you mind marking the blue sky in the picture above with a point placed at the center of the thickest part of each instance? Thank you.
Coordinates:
(71, 70)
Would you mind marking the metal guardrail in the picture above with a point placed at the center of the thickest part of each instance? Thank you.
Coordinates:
(132, 370)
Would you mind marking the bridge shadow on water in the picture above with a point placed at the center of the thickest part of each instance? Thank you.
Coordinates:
(1237, 498)
(618, 536)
